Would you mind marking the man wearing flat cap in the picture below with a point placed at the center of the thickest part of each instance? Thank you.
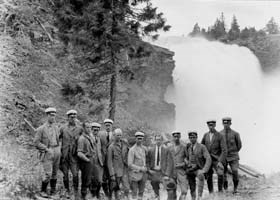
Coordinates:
(106, 138)
(176, 166)
(233, 143)
(47, 142)
(198, 162)
(216, 146)
(137, 166)
(99, 160)
(69, 134)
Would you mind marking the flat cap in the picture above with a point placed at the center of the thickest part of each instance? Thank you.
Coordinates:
(139, 134)
(176, 133)
(71, 112)
(226, 119)
(211, 121)
(95, 124)
(192, 133)
(108, 121)
(50, 110)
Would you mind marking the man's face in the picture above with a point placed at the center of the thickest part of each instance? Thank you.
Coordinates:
(87, 128)
(108, 127)
(193, 139)
(176, 137)
(118, 136)
(51, 117)
(95, 130)
(139, 140)
(226, 124)
(72, 118)
(211, 126)
(158, 140)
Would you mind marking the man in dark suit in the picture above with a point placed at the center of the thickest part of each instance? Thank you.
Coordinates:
(106, 138)
(176, 165)
(156, 163)
(216, 146)
(198, 162)
(234, 145)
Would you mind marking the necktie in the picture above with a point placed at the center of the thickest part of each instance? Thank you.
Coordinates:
(158, 156)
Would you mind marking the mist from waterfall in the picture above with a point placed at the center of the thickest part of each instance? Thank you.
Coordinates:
(213, 80)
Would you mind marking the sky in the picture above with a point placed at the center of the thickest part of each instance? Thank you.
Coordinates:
(183, 14)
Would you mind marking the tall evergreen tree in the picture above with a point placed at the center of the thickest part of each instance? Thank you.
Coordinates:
(104, 29)
(272, 27)
(219, 28)
(234, 31)
(195, 31)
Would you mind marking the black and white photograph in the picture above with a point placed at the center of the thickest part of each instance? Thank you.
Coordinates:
(139, 99)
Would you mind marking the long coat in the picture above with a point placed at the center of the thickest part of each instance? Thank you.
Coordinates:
(216, 147)
(233, 143)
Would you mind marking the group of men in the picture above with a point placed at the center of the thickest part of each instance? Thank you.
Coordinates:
(107, 161)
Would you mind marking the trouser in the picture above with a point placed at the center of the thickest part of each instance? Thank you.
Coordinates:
(106, 182)
(182, 181)
(86, 175)
(123, 181)
(192, 183)
(234, 165)
(72, 165)
(138, 186)
(97, 176)
(50, 162)
(209, 176)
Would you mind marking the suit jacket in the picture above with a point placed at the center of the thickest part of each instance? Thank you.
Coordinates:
(105, 144)
(201, 156)
(70, 136)
(216, 147)
(136, 160)
(42, 139)
(233, 143)
(97, 143)
(151, 158)
(117, 158)
(175, 157)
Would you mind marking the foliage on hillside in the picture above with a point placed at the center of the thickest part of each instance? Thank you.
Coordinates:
(264, 43)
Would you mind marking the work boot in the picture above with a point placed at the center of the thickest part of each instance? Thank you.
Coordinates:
(53, 186)
(44, 189)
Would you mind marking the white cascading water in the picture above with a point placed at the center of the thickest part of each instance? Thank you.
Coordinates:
(213, 80)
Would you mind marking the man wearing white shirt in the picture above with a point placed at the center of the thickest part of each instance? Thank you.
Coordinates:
(156, 163)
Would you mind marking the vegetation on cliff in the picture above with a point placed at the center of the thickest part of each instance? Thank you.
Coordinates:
(264, 43)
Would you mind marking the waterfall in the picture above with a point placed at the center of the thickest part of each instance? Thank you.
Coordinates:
(214, 80)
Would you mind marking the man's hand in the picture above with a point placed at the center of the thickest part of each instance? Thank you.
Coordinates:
(144, 169)
(200, 172)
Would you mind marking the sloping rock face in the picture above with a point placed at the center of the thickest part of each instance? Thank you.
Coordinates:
(140, 97)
